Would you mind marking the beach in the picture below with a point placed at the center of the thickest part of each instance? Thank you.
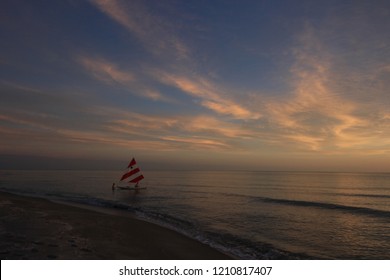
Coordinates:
(38, 229)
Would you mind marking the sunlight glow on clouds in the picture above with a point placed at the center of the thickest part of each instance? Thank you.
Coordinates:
(110, 73)
(170, 97)
(211, 97)
(314, 114)
(105, 71)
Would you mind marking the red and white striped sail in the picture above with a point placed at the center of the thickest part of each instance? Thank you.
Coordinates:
(133, 173)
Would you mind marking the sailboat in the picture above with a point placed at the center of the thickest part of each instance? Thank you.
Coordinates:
(132, 176)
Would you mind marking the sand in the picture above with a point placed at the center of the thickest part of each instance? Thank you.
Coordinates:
(38, 229)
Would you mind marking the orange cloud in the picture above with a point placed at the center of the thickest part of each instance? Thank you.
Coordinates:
(106, 71)
(314, 114)
(110, 73)
(211, 96)
(213, 126)
(159, 37)
(196, 143)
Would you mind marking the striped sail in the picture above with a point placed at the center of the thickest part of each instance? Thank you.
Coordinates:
(133, 173)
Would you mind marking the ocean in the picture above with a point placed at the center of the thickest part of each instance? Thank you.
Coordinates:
(251, 215)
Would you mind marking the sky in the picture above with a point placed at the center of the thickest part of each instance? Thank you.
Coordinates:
(219, 84)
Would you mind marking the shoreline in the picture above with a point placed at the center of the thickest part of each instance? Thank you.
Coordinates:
(38, 229)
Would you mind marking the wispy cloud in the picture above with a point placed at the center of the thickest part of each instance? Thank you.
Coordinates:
(214, 126)
(109, 72)
(99, 126)
(196, 143)
(160, 38)
(202, 129)
(316, 115)
(320, 114)
(210, 95)
(327, 105)
(153, 31)
(106, 71)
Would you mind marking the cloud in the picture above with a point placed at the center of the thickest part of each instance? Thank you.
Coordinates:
(107, 139)
(110, 73)
(156, 33)
(159, 37)
(321, 113)
(204, 130)
(31, 106)
(131, 123)
(106, 71)
(216, 127)
(226, 107)
(71, 124)
(196, 143)
(210, 95)
(25, 132)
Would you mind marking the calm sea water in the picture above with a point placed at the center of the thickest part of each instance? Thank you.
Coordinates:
(248, 214)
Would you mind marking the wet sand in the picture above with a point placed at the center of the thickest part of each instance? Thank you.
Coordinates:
(34, 228)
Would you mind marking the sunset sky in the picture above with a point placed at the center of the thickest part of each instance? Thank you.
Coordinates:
(248, 85)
